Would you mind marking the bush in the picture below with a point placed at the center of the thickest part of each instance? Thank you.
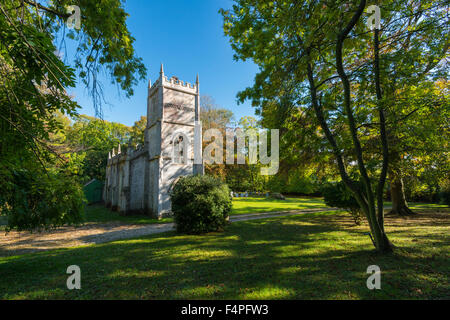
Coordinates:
(41, 200)
(200, 204)
(277, 196)
(337, 195)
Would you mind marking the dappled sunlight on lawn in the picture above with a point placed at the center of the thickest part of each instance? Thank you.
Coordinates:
(320, 255)
(267, 292)
(256, 205)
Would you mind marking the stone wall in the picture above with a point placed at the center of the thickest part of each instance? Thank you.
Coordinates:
(125, 181)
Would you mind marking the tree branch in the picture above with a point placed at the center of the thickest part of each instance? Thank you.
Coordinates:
(49, 10)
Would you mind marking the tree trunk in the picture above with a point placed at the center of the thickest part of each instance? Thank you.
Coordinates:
(365, 196)
(399, 204)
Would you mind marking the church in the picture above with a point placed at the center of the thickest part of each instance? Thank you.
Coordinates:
(140, 180)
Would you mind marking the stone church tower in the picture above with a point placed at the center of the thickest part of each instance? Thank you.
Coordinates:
(141, 179)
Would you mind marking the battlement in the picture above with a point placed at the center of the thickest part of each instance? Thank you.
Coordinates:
(155, 84)
(174, 83)
(131, 153)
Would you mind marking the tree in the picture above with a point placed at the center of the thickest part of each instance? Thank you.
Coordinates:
(246, 176)
(419, 141)
(95, 138)
(304, 158)
(213, 116)
(138, 132)
(320, 48)
(410, 65)
(33, 83)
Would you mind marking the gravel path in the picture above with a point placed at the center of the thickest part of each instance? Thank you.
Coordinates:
(15, 243)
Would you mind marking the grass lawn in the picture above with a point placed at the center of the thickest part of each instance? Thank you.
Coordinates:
(313, 256)
(253, 205)
(98, 213)
(422, 205)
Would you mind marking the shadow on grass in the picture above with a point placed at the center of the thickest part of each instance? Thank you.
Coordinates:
(99, 213)
(304, 257)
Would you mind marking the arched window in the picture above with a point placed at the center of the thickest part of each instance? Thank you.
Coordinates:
(180, 148)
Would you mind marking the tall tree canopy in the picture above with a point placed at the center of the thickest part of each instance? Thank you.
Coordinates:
(94, 139)
(33, 83)
(213, 116)
(324, 55)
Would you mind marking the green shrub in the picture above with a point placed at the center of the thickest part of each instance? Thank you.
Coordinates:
(200, 204)
(277, 196)
(337, 195)
(41, 200)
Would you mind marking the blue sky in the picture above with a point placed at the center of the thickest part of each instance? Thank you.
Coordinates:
(187, 37)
